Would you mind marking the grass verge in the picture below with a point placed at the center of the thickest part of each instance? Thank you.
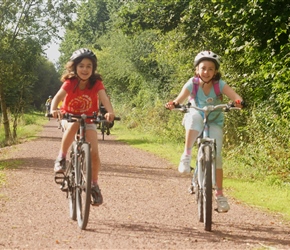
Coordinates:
(28, 127)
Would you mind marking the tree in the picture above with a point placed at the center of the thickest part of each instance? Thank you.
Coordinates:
(20, 21)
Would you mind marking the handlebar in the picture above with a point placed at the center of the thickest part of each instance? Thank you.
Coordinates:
(73, 118)
(206, 109)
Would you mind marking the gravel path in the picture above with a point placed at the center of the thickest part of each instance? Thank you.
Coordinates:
(146, 206)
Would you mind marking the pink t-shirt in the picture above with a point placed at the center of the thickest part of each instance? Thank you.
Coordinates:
(79, 101)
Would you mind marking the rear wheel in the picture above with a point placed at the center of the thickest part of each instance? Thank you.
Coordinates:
(103, 130)
(83, 189)
(207, 188)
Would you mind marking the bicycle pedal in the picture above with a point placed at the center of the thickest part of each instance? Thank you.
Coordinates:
(59, 178)
(64, 186)
(191, 190)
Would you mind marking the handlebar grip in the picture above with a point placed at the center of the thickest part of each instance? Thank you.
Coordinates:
(117, 118)
(177, 106)
(48, 115)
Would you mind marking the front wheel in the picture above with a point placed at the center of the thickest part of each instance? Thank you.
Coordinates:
(83, 189)
(72, 184)
(207, 188)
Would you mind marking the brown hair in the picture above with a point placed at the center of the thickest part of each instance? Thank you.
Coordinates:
(70, 71)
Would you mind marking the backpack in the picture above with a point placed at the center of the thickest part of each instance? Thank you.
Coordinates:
(216, 87)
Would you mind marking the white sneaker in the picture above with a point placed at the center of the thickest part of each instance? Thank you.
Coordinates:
(222, 204)
(184, 165)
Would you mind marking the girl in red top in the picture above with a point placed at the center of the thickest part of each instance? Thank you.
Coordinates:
(81, 92)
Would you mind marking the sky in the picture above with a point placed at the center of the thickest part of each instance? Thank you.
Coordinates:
(52, 52)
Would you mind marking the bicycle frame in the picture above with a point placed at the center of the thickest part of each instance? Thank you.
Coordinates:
(202, 142)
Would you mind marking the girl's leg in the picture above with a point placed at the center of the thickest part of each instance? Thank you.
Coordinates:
(68, 136)
(217, 133)
(193, 125)
(190, 138)
(222, 203)
(92, 137)
(67, 139)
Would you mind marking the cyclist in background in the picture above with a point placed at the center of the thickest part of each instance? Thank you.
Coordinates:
(48, 104)
(81, 92)
(206, 65)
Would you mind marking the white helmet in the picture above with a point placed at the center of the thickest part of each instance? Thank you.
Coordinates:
(207, 55)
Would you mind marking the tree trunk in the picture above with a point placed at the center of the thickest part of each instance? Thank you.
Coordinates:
(5, 119)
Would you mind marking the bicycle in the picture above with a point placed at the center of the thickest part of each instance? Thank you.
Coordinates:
(76, 180)
(103, 124)
(203, 181)
(47, 111)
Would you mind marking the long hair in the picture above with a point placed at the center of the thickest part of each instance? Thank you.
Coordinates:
(71, 69)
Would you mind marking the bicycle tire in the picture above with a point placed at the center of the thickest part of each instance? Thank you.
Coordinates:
(199, 194)
(207, 188)
(83, 190)
(103, 130)
(72, 184)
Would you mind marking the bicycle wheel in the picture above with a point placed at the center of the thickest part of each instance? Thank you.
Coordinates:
(207, 188)
(72, 184)
(199, 199)
(83, 190)
(103, 130)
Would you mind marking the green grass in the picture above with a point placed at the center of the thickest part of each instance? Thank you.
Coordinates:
(271, 198)
(259, 194)
(170, 151)
(28, 127)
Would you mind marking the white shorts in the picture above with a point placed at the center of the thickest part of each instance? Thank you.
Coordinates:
(194, 121)
(89, 126)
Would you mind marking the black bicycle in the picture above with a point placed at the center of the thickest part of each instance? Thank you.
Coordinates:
(103, 124)
(76, 181)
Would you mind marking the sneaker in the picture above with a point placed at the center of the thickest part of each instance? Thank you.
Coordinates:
(59, 165)
(222, 204)
(97, 196)
(184, 165)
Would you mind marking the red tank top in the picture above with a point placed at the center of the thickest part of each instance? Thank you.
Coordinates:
(79, 101)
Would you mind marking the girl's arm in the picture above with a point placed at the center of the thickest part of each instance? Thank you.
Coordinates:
(184, 93)
(230, 93)
(104, 99)
(60, 95)
(182, 96)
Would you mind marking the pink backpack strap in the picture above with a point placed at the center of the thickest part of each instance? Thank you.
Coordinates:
(195, 81)
(217, 90)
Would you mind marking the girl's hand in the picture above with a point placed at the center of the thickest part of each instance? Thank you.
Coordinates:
(170, 105)
(56, 114)
(239, 103)
(109, 117)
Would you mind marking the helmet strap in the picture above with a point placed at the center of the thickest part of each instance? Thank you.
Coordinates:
(204, 82)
